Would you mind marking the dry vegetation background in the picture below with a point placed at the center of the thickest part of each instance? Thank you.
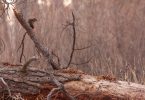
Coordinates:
(115, 29)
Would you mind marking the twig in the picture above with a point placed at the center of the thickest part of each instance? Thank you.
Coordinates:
(6, 85)
(60, 87)
(24, 67)
(22, 45)
(56, 57)
(73, 24)
(51, 93)
(22, 41)
(83, 48)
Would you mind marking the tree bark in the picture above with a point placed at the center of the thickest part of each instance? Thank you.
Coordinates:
(75, 82)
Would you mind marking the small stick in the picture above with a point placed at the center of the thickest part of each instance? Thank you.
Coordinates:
(25, 66)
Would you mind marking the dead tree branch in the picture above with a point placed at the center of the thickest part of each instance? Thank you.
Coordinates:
(60, 88)
(6, 86)
(22, 45)
(73, 24)
(74, 40)
(24, 67)
(45, 51)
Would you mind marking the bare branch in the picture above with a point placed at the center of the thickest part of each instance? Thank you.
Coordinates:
(22, 41)
(56, 57)
(52, 92)
(6, 85)
(24, 68)
(74, 40)
(65, 27)
(22, 45)
(45, 51)
(73, 24)
(83, 48)
(60, 87)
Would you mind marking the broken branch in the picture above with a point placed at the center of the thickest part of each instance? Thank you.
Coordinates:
(38, 45)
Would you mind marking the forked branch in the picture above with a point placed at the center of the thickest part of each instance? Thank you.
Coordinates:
(45, 51)
(74, 39)
(60, 87)
(73, 24)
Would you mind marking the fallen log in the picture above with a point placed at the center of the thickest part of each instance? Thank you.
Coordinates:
(76, 83)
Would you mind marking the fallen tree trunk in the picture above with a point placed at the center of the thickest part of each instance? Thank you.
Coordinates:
(31, 82)
(77, 84)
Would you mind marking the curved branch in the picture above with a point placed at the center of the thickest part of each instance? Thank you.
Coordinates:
(74, 40)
